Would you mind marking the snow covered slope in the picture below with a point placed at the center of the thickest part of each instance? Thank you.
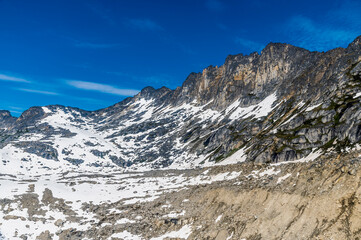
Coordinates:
(150, 137)
(66, 173)
(281, 105)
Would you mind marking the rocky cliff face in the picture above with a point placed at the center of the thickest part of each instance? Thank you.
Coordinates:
(165, 164)
(280, 105)
(6, 120)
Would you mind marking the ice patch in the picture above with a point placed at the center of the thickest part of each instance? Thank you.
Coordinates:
(270, 171)
(283, 178)
(230, 237)
(175, 214)
(236, 157)
(299, 105)
(46, 110)
(313, 107)
(184, 232)
(124, 221)
(310, 157)
(257, 111)
(125, 235)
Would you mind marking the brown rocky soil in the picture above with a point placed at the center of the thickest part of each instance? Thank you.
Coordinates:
(313, 200)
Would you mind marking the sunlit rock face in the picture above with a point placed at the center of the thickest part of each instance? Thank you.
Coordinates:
(266, 146)
(280, 105)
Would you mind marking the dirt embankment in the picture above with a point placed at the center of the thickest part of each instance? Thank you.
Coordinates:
(315, 200)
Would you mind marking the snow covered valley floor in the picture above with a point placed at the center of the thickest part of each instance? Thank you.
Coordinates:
(300, 200)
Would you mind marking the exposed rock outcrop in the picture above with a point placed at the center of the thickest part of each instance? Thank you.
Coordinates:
(279, 105)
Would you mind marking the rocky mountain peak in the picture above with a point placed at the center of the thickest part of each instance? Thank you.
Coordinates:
(147, 90)
(152, 93)
(286, 105)
(251, 77)
(5, 114)
(264, 104)
(32, 112)
(355, 45)
(30, 116)
(281, 47)
(6, 119)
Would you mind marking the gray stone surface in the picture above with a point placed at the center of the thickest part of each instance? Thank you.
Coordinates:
(289, 132)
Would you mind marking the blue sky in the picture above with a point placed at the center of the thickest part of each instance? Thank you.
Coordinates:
(91, 53)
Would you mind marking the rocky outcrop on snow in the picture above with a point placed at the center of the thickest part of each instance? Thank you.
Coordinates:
(280, 105)
(296, 200)
(166, 164)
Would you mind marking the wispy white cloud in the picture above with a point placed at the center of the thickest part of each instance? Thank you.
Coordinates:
(143, 24)
(346, 15)
(312, 35)
(252, 46)
(90, 100)
(102, 12)
(222, 26)
(153, 80)
(104, 88)
(338, 26)
(215, 5)
(15, 108)
(37, 91)
(161, 79)
(96, 45)
(4, 77)
(90, 44)
(14, 112)
(174, 42)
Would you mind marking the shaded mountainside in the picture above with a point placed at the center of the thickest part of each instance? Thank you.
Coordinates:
(283, 104)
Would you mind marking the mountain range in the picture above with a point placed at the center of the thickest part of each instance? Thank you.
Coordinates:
(266, 146)
(280, 105)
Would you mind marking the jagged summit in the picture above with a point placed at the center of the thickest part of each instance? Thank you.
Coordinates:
(87, 174)
(272, 52)
(5, 113)
(6, 119)
(150, 92)
(284, 104)
(355, 44)
(281, 47)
